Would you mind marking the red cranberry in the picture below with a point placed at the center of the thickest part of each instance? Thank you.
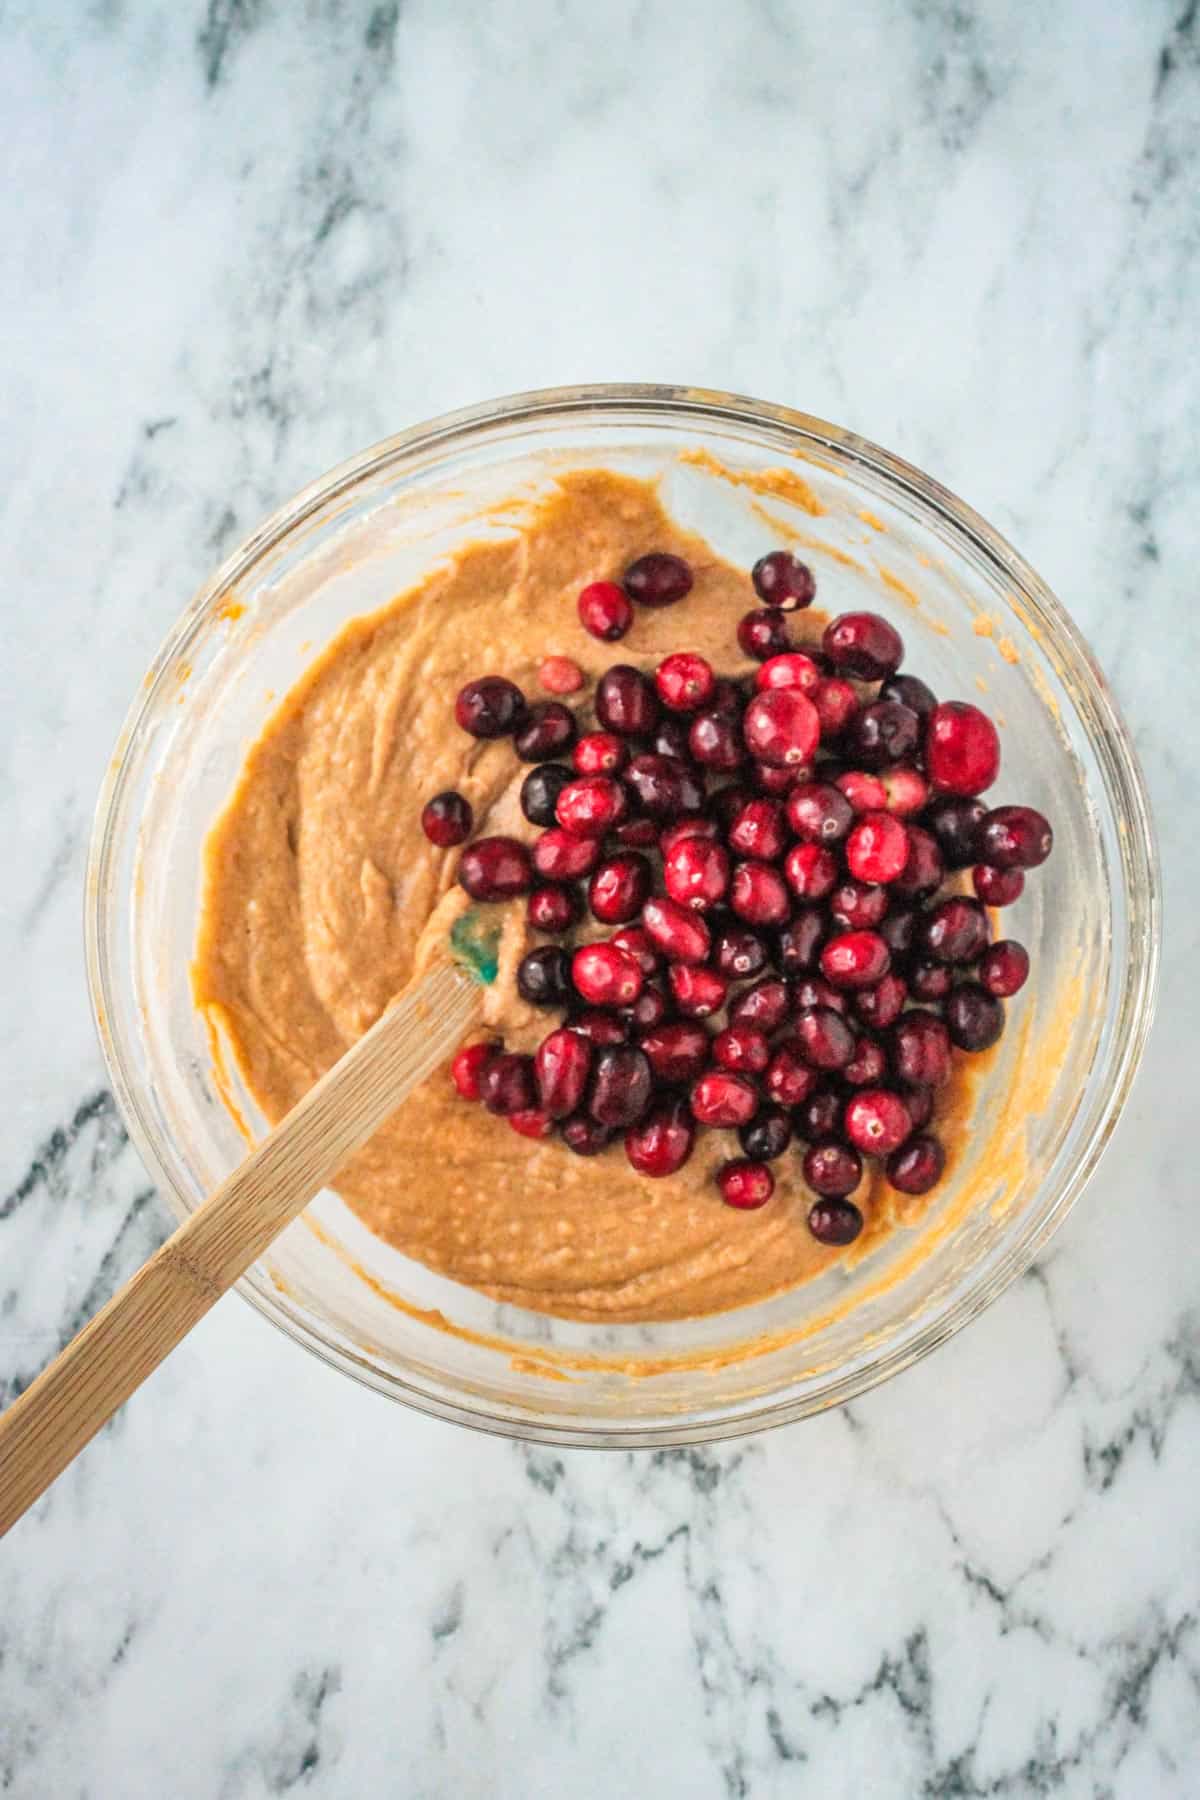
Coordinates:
(620, 887)
(637, 834)
(1015, 837)
(819, 813)
(549, 727)
(626, 702)
(791, 669)
(663, 1141)
(561, 1067)
(531, 1124)
(600, 753)
(876, 850)
(540, 790)
(907, 791)
(694, 825)
(908, 691)
(584, 1136)
(881, 1005)
(997, 887)
(671, 739)
(684, 681)
(883, 733)
(561, 856)
(956, 931)
(490, 707)
(1004, 969)
(962, 751)
(954, 821)
(739, 952)
(836, 703)
(553, 908)
(917, 1166)
(446, 820)
(591, 805)
(920, 1048)
(633, 940)
(781, 579)
(604, 611)
(715, 741)
(856, 907)
(863, 645)
(800, 940)
(621, 1085)
(789, 1079)
(771, 782)
(877, 1121)
(544, 976)
(768, 1134)
(495, 868)
(758, 831)
(761, 634)
(652, 1007)
(866, 793)
(699, 992)
(764, 1006)
(600, 1027)
(835, 1222)
(741, 1048)
(727, 803)
(924, 871)
(819, 1117)
(745, 1184)
(507, 1085)
(559, 675)
(833, 1170)
(898, 928)
(868, 1065)
(814, 990)
(919, 1101)
(855, 959)
(720, 1098)
(974, 1016)
(658, 579)
(677, 1053)
(824, 1036)
(811, 871)
(781, 727)
(696, 873)
(664, 785)
(606, 976)
(466, 1071)
(930, 980)
(759, 894)
(675, 930)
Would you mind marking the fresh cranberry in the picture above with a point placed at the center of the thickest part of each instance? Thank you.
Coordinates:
(606, 976)
(764, 1006)
(781, 579)
(836, 703)
(621, 1085)
(974, 1016)
(678, 1052)
(665, 785)
(835, 1222)
(559, 675)
(863, 645)
(507, 1085)
(758, 831)
(819, 1117)
(919, 1101)
(855, 959)
(1015, 837)
(652, 1007)
(789, 1079)
(727, 803)
(637, 834)
(739, 952)
(591, 805)
(819, 813)
(956, 931)
(604, 611)
(626, 702)
(620, 887)
(531, 1123)
(768, 1134)
(663, 1141)
(800, 940)
(548, 729)
(824, 1036)
(866, 793)
(671, 738)
(561, 1067)
(832, 1170)
(552, 908)
(684, 681)
(715, 741)
(908, 690)
(924, 871)
(920, 1048)
(868, 1065)
(540, 790)
(658, 579)
(773, 783)
(561, 856)
(781, 727)
(633, 940)
(929, 980)
(495, 868)
(811, 871)
(699, 992)
(762, 633)
(814, 990)
(584, 1136)
(962, 750)
(954, 821)
(490, 707)
(759, 894)
(791, 669)
(881, 1005)
(907, 790)
(917, 1166)
(694, 825)
(466, 1071)
(675, 930)
(741, 1048)
(877, 848)
(882, 733)
(600, 753)
(544, 976)
(446, 820)
(877, 1121)
(600, 1027)
(997, 887)
(720, 1098)
(745, 1184)
(696, 873)
(856, 907)
(1004, 969)
(898, 929)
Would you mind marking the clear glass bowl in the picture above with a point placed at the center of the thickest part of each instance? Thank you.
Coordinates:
(975, 617)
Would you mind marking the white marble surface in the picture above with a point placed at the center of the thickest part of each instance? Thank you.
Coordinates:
(242, 240)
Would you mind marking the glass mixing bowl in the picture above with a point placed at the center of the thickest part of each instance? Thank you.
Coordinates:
(976, 619)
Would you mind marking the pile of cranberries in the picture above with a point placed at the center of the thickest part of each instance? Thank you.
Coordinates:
(786, 957)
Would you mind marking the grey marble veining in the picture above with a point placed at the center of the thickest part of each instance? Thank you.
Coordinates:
(244, 239)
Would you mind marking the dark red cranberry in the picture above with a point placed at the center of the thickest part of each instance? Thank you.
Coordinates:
(637, 834)
(920, 1048)
(553, 908)
(685, 681)
(759, 894)
(671, 739)
(773, 782)
(549, 728)
(855, 959)
(741, 1048)
(881, 1005)
(908, 690)
(863, 645)
(789, 1080)
(605, 976)
(814, 990)
(1015, 837)
(856, 907)
(956, 931)
(677, 1053)
(835, 1222)
(600, 753)
(882, 733)
(620, 887)
(532, 1123)
(917, 1166)
(865, 792)
(791, 669)
(495, 868)
(664, 785)
(764, 1006)
(727, 803)
(836, 703)
(466, 1071)
(446, 820)
(876, 1121)
(561, 1067)
(832, 1170)
(907, 790)
(727, 698)
(974, 1016)
(633, 940)
(762, 633)
(696, 873)
(919, 1101)
(507, 1085)
(604, 611)
(600, 1027)
(824, 1037)
(962, 750)
(820, 1116)
(1004, 968)
(559, 675)
(781, 579)
(652, 1007)
(800, 940)
(561, 856)
(767, 1135)
(490, 707)
(621, 1085)
(758, 831)
(694, 825)
(540, 790)
(658, 579)
(739, 952)
(626, 702)
(811, 871)
(663, 1141)
(675, 930)
(876, 850)
(898, 929)
(924, 871)
(698, 992)
(929, 980)
(584, 1136)
(954, 822)
(591, 805)
(868, 1065)
(715, 741)
(745, 1184)
(544, 976)
(997, 887)
(819, 813)
(781, 727)
(720, 1098)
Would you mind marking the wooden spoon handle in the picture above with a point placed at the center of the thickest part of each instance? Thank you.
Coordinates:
(49, 1424)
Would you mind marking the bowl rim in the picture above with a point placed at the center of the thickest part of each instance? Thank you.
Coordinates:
(1110, 739)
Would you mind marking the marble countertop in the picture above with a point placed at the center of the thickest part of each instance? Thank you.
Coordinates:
(243, 240)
